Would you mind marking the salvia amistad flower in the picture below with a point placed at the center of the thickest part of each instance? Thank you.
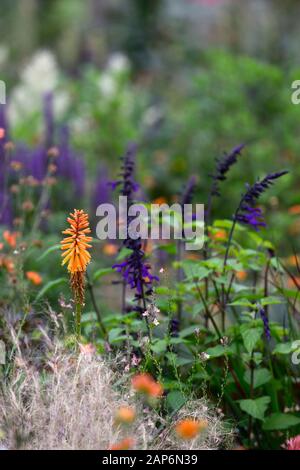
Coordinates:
(75, 251)
(188, 192)
(135, 270)
(247, 212)
(223, 165)
(265, 320)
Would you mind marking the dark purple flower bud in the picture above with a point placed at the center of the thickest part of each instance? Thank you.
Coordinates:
(223, 165)
(188, 193)
(247, 213)
(174, 328)
(266, 323)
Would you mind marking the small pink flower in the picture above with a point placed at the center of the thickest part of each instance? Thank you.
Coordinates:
(293, 443)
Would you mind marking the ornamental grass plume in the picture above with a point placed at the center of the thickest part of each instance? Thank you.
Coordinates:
(75, 246)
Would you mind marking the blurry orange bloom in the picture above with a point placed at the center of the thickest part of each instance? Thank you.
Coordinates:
(144, 383)
(241, 275)
(110, 249)
(294, 210)
(125, 444)
(34, 277)
(75, 245)
(189, 428)
(2, 133)
(291, 284)
(7, 263)
(125, 415)
(293, 260)
(160, 200)
(10, 238)
(219, 235)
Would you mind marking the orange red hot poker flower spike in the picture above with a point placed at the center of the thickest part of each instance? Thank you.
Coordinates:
(75, 251)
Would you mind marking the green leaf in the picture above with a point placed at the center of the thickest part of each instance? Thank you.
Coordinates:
(271, 301)
(102, 272)
(277, 421)
(216, 351)
(115, 335)
(159, 346)
(260, 377)
(284, 348)
(241, 303)
(48, 251)
(251, 337)
(175, 400)
(50, 285)
(255, 408)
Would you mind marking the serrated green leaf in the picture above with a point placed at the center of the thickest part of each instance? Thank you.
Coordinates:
(175, 400)
(255, 408)
(260, 377)
(251, 337)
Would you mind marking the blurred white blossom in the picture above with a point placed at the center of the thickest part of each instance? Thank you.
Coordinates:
(118, 63)
(40, 76)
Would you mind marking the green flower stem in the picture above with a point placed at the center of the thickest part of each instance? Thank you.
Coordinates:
(78, 310)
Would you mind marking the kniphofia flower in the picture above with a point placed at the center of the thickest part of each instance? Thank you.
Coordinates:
(75, 252)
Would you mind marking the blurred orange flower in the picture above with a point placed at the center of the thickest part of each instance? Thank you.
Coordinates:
(34, 277)
(160, 200)
(219, 235)
(110, 249)
(125, 414)
(7, 263)
(125, 444)
(291, 284)
(189, 428)
(144, 383)
(10, 238)
(241, 275)
(294, 210)
(2, 133)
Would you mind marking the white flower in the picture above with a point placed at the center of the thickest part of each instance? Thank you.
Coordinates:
(41, 73)
(152, 116)
(40, 76)
(107, 85)
(118, 63)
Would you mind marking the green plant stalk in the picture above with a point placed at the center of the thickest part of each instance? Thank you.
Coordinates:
(78, 311)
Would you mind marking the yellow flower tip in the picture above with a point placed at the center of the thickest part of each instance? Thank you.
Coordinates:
(190, 428)
(76, 244)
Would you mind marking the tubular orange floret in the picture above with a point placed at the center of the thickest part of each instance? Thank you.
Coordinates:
(75, 246)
